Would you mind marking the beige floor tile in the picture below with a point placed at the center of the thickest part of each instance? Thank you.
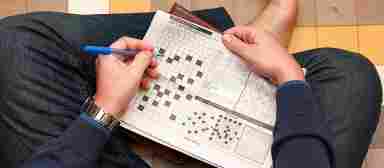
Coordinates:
(336, 12)
(370, 11)
(371, 43)
(47, 5)
(185, 3)
(84, 7)
(375, 158)
(307, 13)
(304, 38)
(164, 5)
(12, 7)
(130, 6)
(344, 37)
(206, 4)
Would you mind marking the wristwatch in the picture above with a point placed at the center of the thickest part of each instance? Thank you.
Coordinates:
(98, 114)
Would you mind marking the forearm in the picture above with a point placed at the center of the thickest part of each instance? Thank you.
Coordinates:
(79, 146)
(301, 136)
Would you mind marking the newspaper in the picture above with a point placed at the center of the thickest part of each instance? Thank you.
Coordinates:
(206, 104)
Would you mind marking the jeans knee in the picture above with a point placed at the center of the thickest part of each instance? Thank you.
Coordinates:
(348, 60)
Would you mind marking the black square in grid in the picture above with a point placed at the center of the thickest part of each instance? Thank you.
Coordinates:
(172, 117)
(167, 103)
(155, 103)
(199, 62)
(140, 107)
(199, 74)
(180, 76)
(169, 60)
(188, 58)
(181, 88)
(157, 87)
(160, 94)
(162, 51)
(167, 92)
(190, 81)
(145, 98)
(176, 97)
(173, 79)
(176, 58)
(189, 97)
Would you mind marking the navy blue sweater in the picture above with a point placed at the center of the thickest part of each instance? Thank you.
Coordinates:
(302, 138)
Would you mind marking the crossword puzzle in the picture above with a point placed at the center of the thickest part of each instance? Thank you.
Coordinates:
(192, 106)
(175, 87)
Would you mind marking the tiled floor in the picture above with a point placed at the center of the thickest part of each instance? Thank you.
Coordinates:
(356, 25)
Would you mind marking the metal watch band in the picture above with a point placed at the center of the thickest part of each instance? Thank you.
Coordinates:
(98, 114)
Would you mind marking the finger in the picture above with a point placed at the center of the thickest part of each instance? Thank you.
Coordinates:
(128, 42)
(235, 44)
(154, 63)
(153, 73)
(141, 62)
(145, 83)
(247, 34)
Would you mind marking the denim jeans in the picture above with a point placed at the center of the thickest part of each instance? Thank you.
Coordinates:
(45, 78)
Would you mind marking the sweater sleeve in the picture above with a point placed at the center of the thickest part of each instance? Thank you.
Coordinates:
(302, 137)
(78, 147)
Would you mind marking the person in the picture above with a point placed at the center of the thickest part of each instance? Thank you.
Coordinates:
(324, 120)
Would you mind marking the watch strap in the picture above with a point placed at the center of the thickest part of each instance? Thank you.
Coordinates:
(98, 114)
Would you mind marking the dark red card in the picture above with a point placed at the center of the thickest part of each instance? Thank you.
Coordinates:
(180, 11)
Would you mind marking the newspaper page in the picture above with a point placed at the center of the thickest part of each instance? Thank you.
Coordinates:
(206, 104)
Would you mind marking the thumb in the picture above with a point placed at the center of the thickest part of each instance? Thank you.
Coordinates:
(234, 44)
(141, 62)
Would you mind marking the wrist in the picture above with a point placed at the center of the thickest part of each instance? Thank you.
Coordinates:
(110, 106)
(99, 115)
(287, 75)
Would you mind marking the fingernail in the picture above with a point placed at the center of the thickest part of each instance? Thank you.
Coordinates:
(148, 46)
(228, 38)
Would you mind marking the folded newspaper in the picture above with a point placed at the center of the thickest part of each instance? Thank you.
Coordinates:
(206, 104)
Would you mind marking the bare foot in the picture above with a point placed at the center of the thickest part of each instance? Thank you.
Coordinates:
(279, 18)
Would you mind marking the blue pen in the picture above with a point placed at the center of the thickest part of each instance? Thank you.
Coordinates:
(97, 50)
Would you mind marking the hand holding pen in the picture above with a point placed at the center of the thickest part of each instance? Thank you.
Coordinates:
(118, 80)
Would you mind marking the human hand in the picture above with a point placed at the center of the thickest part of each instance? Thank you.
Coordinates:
(263, 53)
(117, 82)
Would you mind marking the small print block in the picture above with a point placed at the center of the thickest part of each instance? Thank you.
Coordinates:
(177, 58)
(199, 62)
(145, 98)
(160, 94)
(157, 87)
(140, 107)
(155, 103)
(189, 97)
(190, 81)
(181, 88)
(167, 92)
(199, 74)
(172, 117)
(173, 79)
(169, 60)
(180, 76)
(162, 51)
(188, 58)
(176, 97)
(167, 103)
